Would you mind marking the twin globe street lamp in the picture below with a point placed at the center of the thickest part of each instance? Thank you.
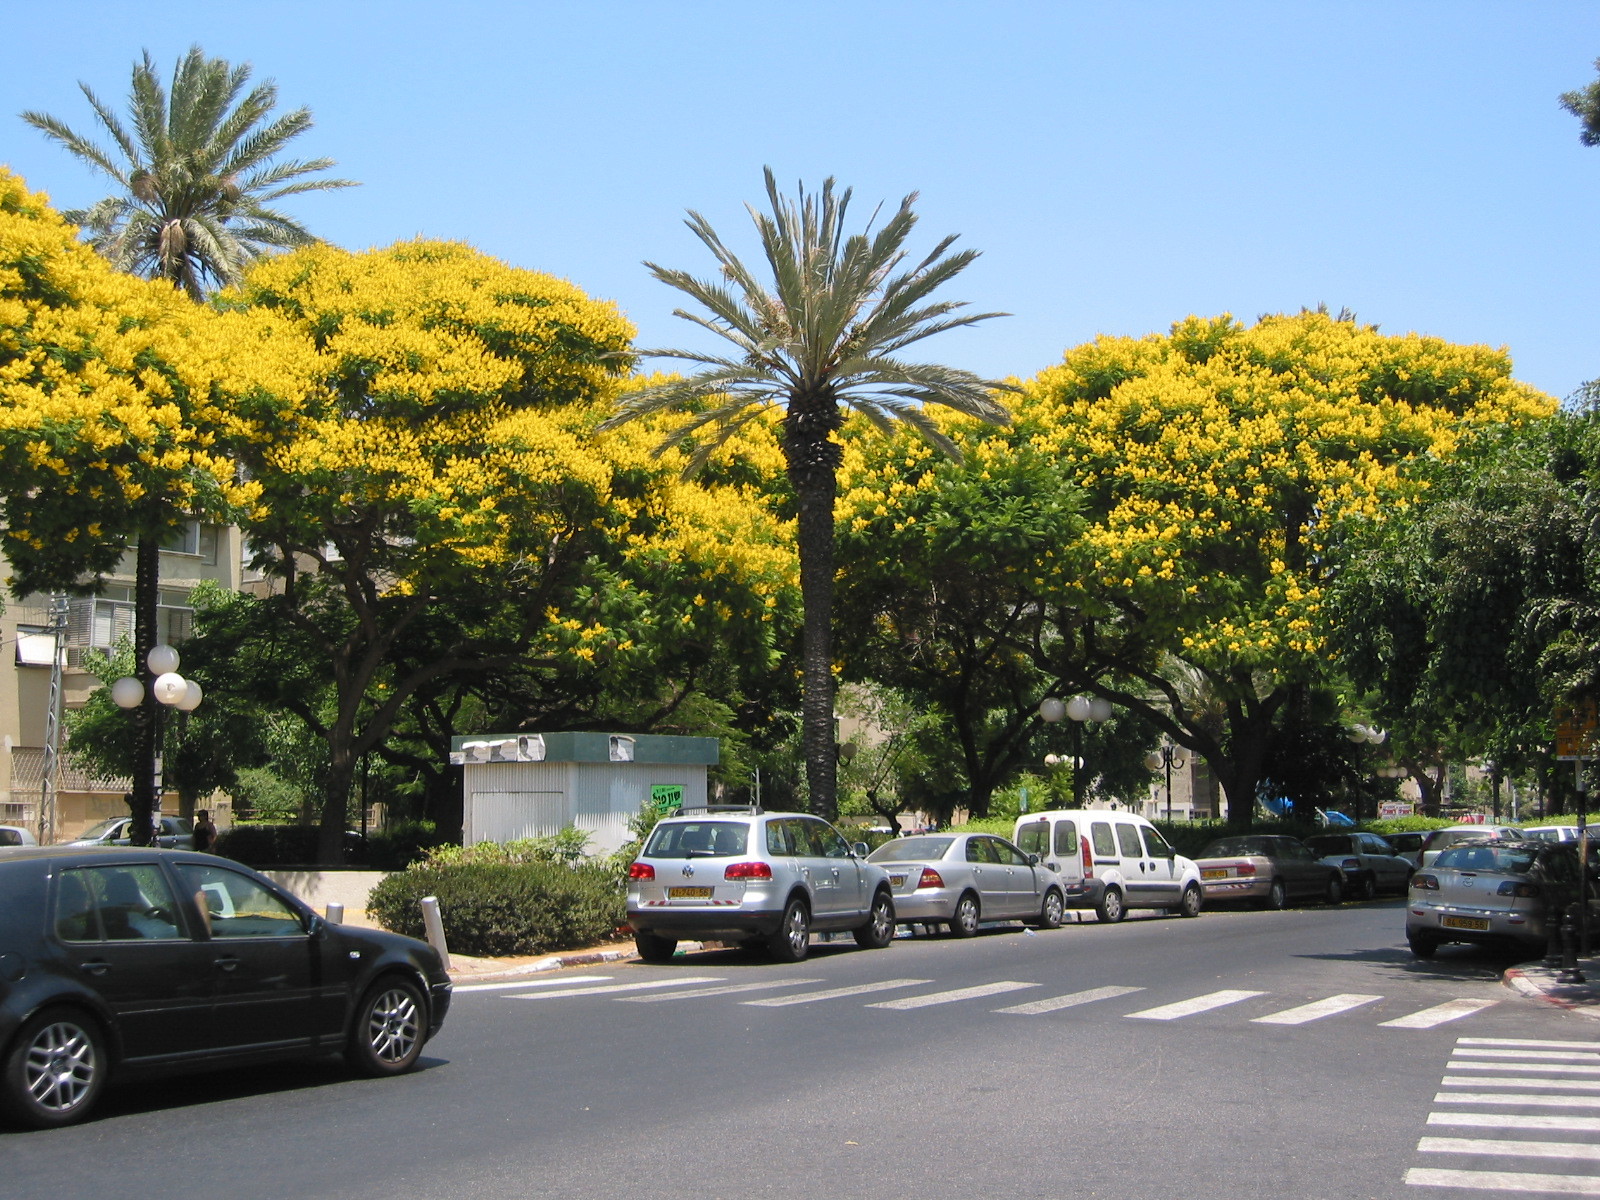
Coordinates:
(1168, 755)
(169, 690)
(1078, 710)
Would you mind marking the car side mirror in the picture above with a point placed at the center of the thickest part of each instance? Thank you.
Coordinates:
(1033, 860)
(316, 927)
(861, 849)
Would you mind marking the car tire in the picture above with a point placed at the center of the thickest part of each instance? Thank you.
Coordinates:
(793, 939)
(1052, 912)
(654, 949)
(62, 1053)
(964, 920)
(1367, 888)
(1277, 897)
(878, 931)
(1422, 946)
(1110, 909)
(390, 1027)
(1335, 892)
(1192, 903)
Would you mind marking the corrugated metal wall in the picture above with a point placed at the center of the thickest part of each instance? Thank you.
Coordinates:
(515, 800)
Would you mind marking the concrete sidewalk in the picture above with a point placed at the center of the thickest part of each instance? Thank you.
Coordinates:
(1539, 982)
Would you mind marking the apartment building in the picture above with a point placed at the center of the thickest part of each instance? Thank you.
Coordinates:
(197, 553)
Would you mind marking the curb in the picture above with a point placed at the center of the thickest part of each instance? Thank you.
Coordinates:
(1538, 983)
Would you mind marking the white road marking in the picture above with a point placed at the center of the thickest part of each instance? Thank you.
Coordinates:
(1315, 1011)
(1505, 1181)
(1188, 1008)
(617, 987)
(1514, 1121)
(1532, 1042)
(1457, 1064)
(1439, 1145)
(714, 991)
(1072, 1000)
(527, 983)
(1529, 1056)
(860, 989)
(1520, 1098)
(955, 994)
(1566, 1085)
(1451, 1010)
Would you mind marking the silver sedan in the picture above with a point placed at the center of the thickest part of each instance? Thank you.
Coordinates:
(961, 879)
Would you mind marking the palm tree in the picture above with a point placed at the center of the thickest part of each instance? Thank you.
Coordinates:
(822, 339)
(195, 174)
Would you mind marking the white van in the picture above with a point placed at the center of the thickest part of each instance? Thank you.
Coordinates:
(1111, 861)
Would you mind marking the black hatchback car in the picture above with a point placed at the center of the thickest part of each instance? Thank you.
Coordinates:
(116, 962)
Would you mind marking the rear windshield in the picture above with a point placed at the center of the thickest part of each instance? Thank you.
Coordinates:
(1232, 847)
(1545, 835)
(1496, 860)
(914, 849)
(698, 839)
(1330, 845)
(1450, 837)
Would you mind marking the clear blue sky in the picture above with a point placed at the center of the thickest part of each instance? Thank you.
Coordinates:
(1120, 165)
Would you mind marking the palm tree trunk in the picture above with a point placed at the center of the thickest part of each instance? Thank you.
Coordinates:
(813, 469)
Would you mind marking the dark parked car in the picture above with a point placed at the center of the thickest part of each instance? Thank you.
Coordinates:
(119, 962)
(1269, 870)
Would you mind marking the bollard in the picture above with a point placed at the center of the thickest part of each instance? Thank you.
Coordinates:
(435, 927)
(334, 913)
(1570, 971)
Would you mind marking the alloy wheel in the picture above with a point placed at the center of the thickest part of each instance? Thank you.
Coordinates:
(392, 1026)
(60, 1067)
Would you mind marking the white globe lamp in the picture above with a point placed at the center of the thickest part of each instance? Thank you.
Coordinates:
(192, 695)
(169, 688)
(127, 692)
(162, 660)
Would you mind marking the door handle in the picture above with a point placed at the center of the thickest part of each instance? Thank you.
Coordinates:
(227, 963)
(95, 968)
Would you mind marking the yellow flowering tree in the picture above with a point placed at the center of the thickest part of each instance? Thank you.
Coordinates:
(120, 401)
(1220, 466)
(440, 507)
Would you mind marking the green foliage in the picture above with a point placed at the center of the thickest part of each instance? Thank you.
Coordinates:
(401, 843)
(498, 909)
(262, 846)
(1406, 824)
(267, 796)
(565, 848)
(1001, 825)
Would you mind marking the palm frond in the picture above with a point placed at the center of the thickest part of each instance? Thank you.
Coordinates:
(76, 144)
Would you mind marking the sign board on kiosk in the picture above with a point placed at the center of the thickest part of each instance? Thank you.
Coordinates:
(667, 798)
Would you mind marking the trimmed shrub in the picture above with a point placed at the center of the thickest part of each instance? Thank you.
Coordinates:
(496, 909)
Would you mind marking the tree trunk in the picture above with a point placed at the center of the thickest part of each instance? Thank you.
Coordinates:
(335, 808)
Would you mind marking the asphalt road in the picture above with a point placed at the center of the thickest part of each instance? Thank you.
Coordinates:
(918, 1085)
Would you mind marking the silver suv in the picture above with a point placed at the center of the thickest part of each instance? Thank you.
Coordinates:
(738, 874)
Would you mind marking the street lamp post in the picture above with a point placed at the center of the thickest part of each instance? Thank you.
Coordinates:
(1360, 734)
(1078, 709)
(1168, 756)
(167, 689)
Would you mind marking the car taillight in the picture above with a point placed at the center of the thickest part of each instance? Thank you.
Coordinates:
(1351, 864)
(1512, 888)
(748, 870)
(930, 878)
(1426, 883)
(1088, 860)
(1244, 869)
(641, 870)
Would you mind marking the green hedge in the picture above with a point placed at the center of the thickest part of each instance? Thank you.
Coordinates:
(263, 846)
(496, 909)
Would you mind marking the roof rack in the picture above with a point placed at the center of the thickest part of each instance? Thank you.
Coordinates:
(752, 809)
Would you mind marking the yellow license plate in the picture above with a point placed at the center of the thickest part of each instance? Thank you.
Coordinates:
(1216, 874)
(1478, 923)
(688, 893)
(897, 880)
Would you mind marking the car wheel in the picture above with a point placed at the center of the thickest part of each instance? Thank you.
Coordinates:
(391, 1023)
(1277, 896)
(964, 921)
(1335, 892)
(793, 938)
(1367, 888)
(653, 949)
(878, 932)
(1052, 912)
(1191, 904)
(1422, 947)
(1110, 909)
(55, 1070)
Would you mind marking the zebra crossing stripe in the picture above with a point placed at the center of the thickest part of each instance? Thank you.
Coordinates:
(1564, 1085)
(955, 994)
(731, 988)
(1457, 1064)
(1188, 1008)
(1445, 1145)
(1531, 1043)
(1317, 1010)
(859, 989)
(1505, 1181)
(1520, 1098)
(1450, 1010)
(1466, 1120)
(615, 987)
(527, 983)
(1055, 1003)
(1528, 1056)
